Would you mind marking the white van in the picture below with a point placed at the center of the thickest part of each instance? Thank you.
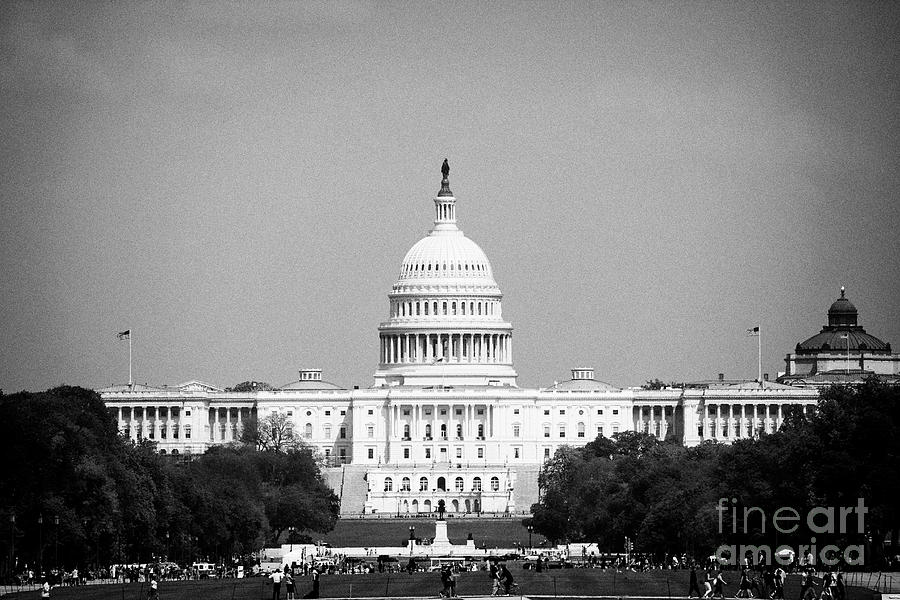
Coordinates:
(204, 570)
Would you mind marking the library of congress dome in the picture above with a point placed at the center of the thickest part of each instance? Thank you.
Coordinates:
(445, 418)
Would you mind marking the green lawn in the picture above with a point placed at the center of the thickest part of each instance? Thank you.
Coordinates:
(494, 533)
(567, 582)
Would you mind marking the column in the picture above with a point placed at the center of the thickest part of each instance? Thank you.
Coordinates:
(228, 434)
(718, 420)
(780, 417)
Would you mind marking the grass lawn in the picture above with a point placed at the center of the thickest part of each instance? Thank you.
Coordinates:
(565, 582)
(494, 533)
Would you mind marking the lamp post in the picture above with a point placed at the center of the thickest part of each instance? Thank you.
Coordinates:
(167, 545)
(530, 530)
(291, 537)
(12, 543)
(412, 539)
(40, 547)
(56, 542)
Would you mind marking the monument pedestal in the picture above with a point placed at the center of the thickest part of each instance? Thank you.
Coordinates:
(441, 544)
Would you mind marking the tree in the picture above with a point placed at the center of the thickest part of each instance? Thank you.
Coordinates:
(250, 386)
(274, 432)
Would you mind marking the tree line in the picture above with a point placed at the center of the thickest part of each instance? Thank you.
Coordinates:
(74, 491)
(670, 499)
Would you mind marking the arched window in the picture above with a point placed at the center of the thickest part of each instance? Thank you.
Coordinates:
(517, 429)
(546, 430)
(404, 484)
(423, 484)
(174, 451)
(495, 484)
(481, 430)
(562, 431)
(581, 430)
(459, 430)
(388, 484)
(327, 430)
(442, 484)
(443, 431)
(428, 431)
(476, 484)
(406, 430)
(307, 430)
(458, 484)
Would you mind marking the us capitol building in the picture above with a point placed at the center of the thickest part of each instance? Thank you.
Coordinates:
(445, 419)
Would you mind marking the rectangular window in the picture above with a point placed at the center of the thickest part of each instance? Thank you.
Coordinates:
(327, 413)
(187, 413)
(427, 452)
(405, 412)
(515, 411)
(343, 454)
(516, 430)
(600, 430)
(480, 452)
(187, 432)
(546, 431)
(175, 431)
(562, 432)
(615, 429)
(406, 453)
(371, 412)
(343, 412)
(580, 434)
(459, 453)
(327, 430)
(458, 411)
(371, 453)
(562, 411)
(163, 432)
(152, 432)
(370, 431)
(546, 411)
(599, 411)
(546, 452)
(517, 452)
(480, 411)
(290, 413)
(615, 411)
(343, 433)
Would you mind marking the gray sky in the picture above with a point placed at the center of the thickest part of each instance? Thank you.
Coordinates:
(238, 183)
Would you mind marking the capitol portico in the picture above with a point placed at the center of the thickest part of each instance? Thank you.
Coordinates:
(445, 419)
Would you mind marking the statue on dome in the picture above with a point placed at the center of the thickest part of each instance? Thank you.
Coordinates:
(445, 169)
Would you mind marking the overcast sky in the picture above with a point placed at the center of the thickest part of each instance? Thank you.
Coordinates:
(238, 183)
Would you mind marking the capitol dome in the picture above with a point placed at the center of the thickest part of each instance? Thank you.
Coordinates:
(446, 326)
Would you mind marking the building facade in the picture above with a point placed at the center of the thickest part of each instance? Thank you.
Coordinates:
(445, 418)
(842, 352)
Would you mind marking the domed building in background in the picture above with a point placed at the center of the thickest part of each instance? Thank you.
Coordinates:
(445, 421)
(841, 353)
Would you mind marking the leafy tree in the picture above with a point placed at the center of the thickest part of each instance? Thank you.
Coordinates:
(250, 386)
(272, 433)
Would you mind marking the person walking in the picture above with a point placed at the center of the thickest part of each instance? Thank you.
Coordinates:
(153, 592)
(694, 585)
(289, 586)
(315, 582)
(719, 586)
(707, 585)
(779, 584)
(839, 586)
(276, 578)
(807, 584)
(506, 579)
(495, 579)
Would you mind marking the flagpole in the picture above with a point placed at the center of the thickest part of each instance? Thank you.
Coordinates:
(759, 357)
(130, 379)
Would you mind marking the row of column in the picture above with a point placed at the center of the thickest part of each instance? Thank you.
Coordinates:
(427, 348)
(166, 419)
(738, 420)
(222, 428)
(473, 426)
(655, 420)
(443, 308)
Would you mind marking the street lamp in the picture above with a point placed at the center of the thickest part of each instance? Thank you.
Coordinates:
(40, 547)
(291, 536)
(12, 543)
(412, 539)
(56, 542)
(530, 530)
